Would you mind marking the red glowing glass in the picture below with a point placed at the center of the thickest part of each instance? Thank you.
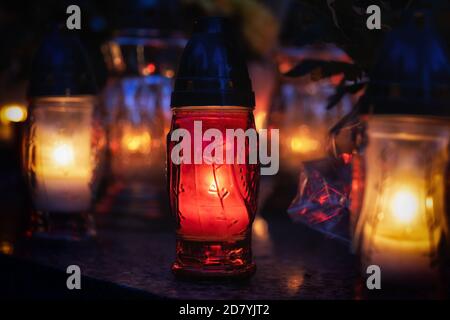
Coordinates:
(214, 204)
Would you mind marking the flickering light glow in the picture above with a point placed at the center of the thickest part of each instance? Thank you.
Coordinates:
(63, 155)
(13, 113)
(62, 158)
(137, 142)
(260, 119)
(260, 228)
(404, 205)
(212, 188)
(303, 144)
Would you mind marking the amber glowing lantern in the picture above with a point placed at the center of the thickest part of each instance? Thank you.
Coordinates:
(11, 114)
(400, 181)
(301, 113)
(62, 149)
(307, 163)
(214, 204)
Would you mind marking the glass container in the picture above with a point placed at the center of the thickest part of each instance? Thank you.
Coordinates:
(214, 204)
(63, 157)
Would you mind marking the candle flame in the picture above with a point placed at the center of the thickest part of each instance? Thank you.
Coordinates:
(63, 155)
(404, 205)
(304, 144)
(303, 141)
(13, 113)
(137, 142)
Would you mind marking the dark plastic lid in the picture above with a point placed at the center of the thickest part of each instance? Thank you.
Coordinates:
(61, 67)
(212, 71)
(412, 73)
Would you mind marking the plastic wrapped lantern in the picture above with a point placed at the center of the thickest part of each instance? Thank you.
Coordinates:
(64, 141)
(142, 63)
(400, 180)
(214, 204)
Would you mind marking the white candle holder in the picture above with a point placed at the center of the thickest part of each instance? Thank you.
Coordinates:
(402, 223)
(62, 162)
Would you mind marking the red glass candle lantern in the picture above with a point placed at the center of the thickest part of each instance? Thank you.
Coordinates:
(214, 203)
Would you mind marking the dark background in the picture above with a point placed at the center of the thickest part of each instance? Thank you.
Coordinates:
(285, 22)
(23, 23)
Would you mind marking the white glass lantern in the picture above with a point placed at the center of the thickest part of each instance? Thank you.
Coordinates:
(403, 219)
(61, 154)
(63, 147)
(63, 160)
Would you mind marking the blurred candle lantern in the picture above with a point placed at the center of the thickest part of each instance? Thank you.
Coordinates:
(12, 115)
(400, 181)
(142, 65)
(64, 142)
(13, 112)
(302, 114)
(61, 146)
(214, 203)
